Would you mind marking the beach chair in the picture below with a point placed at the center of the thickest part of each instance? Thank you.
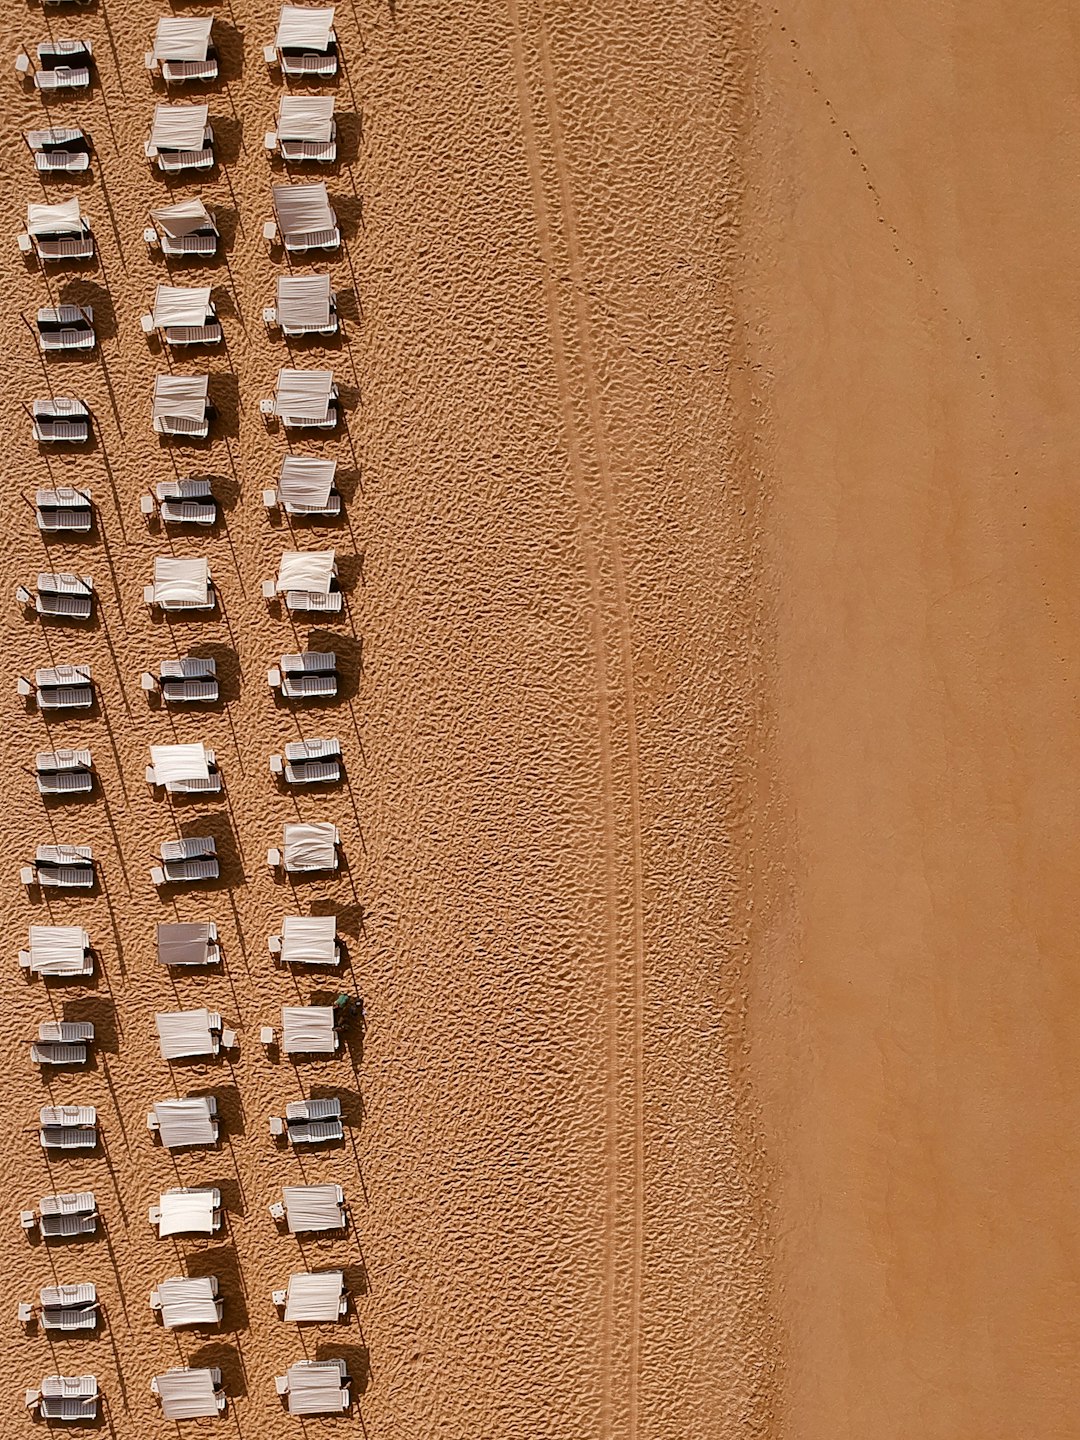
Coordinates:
(66, 1397)
(183, 315)
(189, 1394)
(181, 139)
(69, 1215)
(68, 1127)
(61, 596)
(315, 1387)
(309, 762)
(57, 232)
(188, 681)
(60, 418)
(62, 867)
(306, 130)
(66, 327)
(186, 861)
(181, 406)
(64, 772)
(305, 399)
(68, 1307)
(190, 943)
(181, 585)
(63, 509)
(62, 65)
(182, 50)
(305, 46)
(305, 305)
(61, 687)
(182, 502)
(310, 1122)
(303, 218)
(186, 230)
(60, 150)
(62, 1042)
(307, 676)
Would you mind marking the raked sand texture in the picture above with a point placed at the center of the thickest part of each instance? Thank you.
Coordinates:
(548, 552)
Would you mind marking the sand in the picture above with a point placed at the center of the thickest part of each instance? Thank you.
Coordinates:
(911, 223)
(551, 557)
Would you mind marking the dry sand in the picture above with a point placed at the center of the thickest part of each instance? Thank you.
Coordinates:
(550, 553)
(913, 298)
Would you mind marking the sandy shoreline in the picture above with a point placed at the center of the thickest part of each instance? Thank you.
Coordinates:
(549, 555)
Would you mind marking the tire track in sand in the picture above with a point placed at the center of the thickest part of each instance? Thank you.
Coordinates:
(577, 445)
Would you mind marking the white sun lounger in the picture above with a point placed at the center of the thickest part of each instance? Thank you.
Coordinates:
(187, 501)
(69, 1307)
(305, 306)
(305, 399)
(184, 769)
(60, 418)
(62, 1042)
(65, 1397)
(63, 508)
(310, 1122)
(188, 1211)
(63, 65)
(305, 45)
(183, 230)
(181, 139)
(184, 315)
(58, 951)
(61, 595)
(181, 585)
(307, 1208)
(316, 1296)
(310, 848)
(193, 943)
(187, 1394)
(64, 867)
(64, 772)
(308, 1030)
(312, 674)
(303, 218)
(309, 762)
(305, 129)
(66, 327)
(183, 861)
(68, 1127)
(188, 1032)
(315, 1387)
(187, 1300)
(181, 405)
(67, 1215)
(185, 1123)
(59, 150)
(192, 679)
(182, 49)
(307, 940)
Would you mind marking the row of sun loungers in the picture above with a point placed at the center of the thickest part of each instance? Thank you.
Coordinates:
(310, 674)
(309, 1387)
(302, 940)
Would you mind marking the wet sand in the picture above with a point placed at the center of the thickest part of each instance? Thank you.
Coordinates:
(550, 555)
(912, 239)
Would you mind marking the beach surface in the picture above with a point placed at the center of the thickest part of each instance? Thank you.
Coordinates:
(550, 555)
(911, 230)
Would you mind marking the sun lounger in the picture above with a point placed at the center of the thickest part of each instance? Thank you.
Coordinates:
(68, 1127)
(309, 762)
(61, 687)
(193, 858)
(65, 1397)
(187, 1300)
(307, 940)
(62, 596)
(59, 150)
(307, 1208)
(58, 951)
(190, 680)
(187, 501)
(183, 315)
(308, 1030)
(63, 508)
(182, 1033)
(68, 1215)
(312, 674)
(305, 45)
(57, 232)
(184, 769)
(181, 405)
(187, 1394)
(305, 399)
(315, 1387)
(303, 218)
(63, 1042)
(305, 306)
(310, 848)
(182, 230)
(66, 327)
(64, 772)
(310, 1122)
(188, 944)
(182, 49)
(305, 129)
(185, 1123)
(188, 1211)
(315, 1296)
(181, 139)
(181, 585)
(61, 418)
(69, 1307)
(63, 65)
(63, 867)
